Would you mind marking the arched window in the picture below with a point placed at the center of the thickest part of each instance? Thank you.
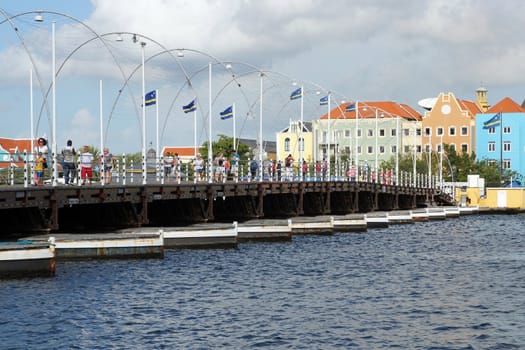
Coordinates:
(287, 144)
(301, 144)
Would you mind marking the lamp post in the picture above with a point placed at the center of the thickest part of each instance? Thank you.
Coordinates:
(144, 167)
(397, 151)
(261, 170)
(376, 148)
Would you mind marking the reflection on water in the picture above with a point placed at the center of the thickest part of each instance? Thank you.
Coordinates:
(454, 284)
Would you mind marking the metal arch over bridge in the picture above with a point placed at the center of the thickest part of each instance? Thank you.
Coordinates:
(95, 207)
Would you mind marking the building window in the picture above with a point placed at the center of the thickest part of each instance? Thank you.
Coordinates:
(492, 146)
(370, 132)
(464, 131)
(370, 149)
(324, 137)
(439, 131)
(418, 132)
(427, 148)
(393, 149)
(287, 144)
(464, 148)
(506, 130)
(359, 149)
(359, 133)
(393, 132)
(452, 147)
(418, 148)
(506, 164)
(382, 132)
(428, 131)
(406, 132)
(382, 149)
(439, 148)
(407, 149)
(301, 144)
(347, 149)
(347, 133)
(452, 131)
(506, 146)
(492, 162)
(491, 131)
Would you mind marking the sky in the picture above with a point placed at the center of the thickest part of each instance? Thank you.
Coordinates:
(374, 50)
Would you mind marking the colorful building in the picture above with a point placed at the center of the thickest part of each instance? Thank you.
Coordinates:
(292, 140)
(453, 121)
(500, 135)
(382, 129)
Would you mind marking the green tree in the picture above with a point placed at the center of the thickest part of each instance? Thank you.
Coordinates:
(225, 145)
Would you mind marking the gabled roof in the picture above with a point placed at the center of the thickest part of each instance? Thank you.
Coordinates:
(368, 109)
(307, 126)
(507, 105)
(471, 107)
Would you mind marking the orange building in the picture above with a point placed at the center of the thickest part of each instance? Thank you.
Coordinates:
(453, 121)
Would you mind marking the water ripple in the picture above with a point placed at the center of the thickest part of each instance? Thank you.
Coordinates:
(437, 285)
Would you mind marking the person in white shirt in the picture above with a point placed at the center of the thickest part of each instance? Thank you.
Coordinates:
(86, 165)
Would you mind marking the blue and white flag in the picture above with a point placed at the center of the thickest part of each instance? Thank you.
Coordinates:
(151, 98)
(227, 113)
(298, 93)
(350, 107)
(323, 101)
(190, 107)
(493, 122)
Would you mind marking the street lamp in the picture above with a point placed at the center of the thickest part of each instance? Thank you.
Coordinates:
(144, 170)
(54, 177)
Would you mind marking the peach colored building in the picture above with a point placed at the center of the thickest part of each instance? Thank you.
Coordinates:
(452, 121)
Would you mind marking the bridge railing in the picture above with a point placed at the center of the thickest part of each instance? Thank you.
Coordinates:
(125, 171)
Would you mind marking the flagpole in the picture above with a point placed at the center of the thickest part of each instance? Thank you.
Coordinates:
(31, 110)
(233, 110)
(356, 140)
(157, 160)
(102, 173)
(329, 137)
(260, 128)
(54, 143)
(31, 122)
(301, 141)
(210, 151)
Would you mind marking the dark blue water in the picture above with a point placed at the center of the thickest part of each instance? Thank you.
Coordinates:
(455, 284)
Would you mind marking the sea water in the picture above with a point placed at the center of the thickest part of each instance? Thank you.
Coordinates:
(453, 284)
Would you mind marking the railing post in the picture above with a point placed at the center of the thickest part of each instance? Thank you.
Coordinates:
(161, 173)
(124, 174)
(131, 166)
(26, 169)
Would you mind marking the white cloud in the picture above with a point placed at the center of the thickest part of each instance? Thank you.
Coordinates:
(401, 50)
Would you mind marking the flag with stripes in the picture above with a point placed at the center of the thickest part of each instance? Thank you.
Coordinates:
(227, 113)
(190, 107)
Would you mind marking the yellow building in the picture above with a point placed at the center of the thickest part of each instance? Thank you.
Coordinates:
(292, 140)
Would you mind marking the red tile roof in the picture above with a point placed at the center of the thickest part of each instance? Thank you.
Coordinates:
(367, 110)
(507, 105)
(184, 151)
(471, 107)
(14, 147)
